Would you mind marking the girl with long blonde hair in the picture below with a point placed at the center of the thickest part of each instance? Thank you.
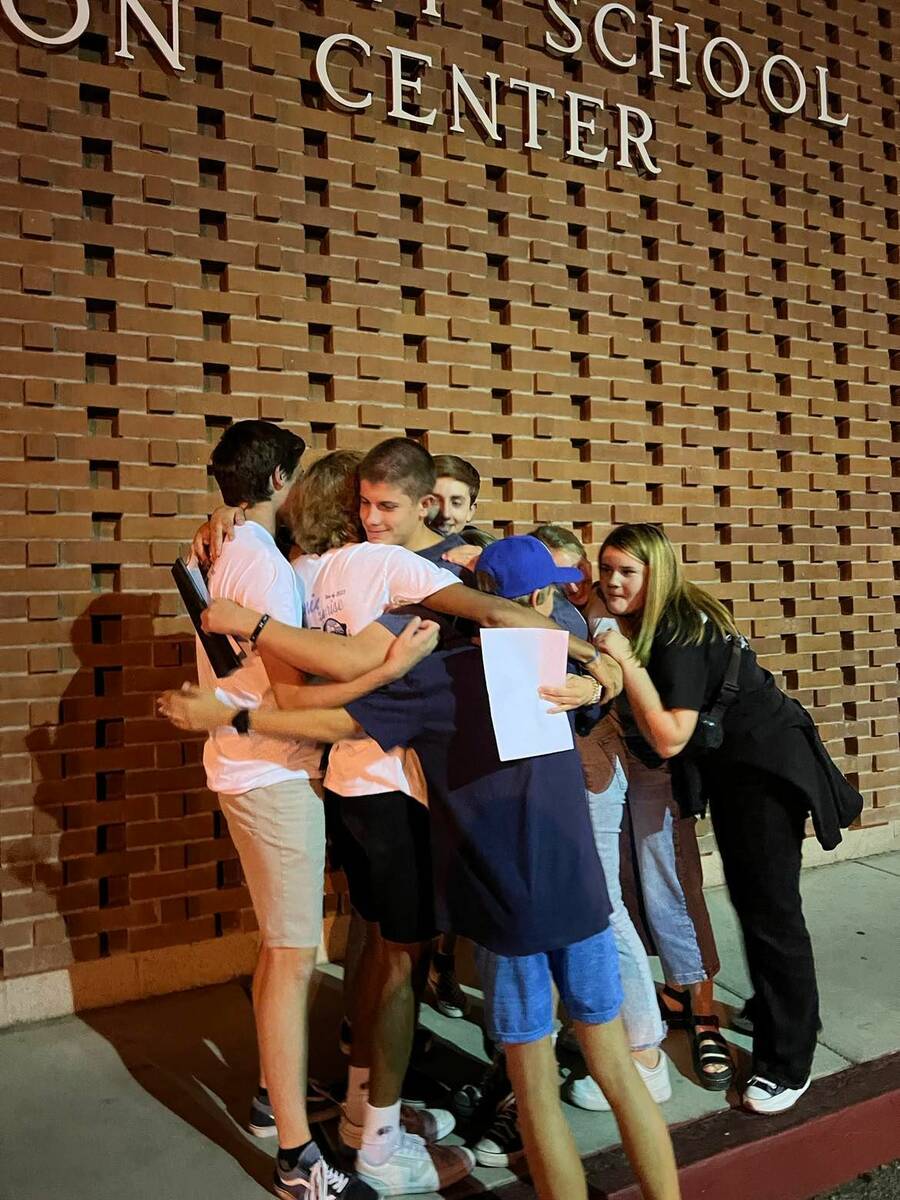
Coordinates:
(761, 768)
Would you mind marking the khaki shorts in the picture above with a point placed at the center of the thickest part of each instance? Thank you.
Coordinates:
(279, 833)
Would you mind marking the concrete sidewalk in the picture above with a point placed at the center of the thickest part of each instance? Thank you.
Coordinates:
(149, 1099)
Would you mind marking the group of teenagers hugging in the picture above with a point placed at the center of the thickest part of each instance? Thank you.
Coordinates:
(360, 711)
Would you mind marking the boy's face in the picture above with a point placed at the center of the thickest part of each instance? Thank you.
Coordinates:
(577, 593)
(389, 515)
(456, 506)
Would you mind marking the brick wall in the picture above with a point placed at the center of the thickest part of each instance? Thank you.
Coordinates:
(712, 348)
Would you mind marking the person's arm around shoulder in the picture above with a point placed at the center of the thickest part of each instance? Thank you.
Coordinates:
(494, 612)
(668, 730)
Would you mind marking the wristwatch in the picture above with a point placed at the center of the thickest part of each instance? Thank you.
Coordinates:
(241, 720)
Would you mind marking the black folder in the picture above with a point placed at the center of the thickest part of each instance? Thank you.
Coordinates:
(219, 649)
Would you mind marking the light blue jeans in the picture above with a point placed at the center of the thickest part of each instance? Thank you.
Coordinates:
(640, 1011)
(656, 827)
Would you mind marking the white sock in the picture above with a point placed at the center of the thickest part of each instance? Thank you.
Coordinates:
(357, 1094)
(381, 1133)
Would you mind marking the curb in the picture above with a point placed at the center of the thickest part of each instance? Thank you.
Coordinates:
(847, 1123)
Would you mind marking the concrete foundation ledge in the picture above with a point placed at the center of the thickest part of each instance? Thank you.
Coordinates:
(857, 843)
(125, 977)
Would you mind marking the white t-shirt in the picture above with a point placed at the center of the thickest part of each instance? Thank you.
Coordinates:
(252, 571)
(346, 589)
(597, 615)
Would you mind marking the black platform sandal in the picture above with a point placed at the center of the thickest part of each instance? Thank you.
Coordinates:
(675, 1018)
(710, 1050)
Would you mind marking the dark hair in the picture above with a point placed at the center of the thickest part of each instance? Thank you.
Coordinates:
(473, 536)
(325, 512)
(454, 467)
(402, 462)
(247, 455)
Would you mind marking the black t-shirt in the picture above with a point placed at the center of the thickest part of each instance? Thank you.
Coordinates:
(765, 730)
(515, 863)
(690, 676)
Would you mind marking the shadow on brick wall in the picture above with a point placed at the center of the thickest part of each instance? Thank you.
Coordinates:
(129, 851)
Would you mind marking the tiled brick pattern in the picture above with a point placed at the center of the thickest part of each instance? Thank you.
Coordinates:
(713, 349)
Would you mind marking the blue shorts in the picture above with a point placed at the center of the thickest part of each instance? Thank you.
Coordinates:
(518, 996)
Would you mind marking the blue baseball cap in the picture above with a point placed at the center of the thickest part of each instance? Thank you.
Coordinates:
(521, 565)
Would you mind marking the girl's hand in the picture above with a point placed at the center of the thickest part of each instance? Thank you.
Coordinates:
(615, 644)
(224, 616)
(416, 642)
(194, 709)
(577, 691)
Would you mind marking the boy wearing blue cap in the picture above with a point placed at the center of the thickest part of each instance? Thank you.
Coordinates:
(516, 870)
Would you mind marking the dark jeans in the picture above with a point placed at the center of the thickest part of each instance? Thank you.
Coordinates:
(758, 822)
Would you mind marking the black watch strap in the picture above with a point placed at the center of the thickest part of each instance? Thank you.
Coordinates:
(241, 720)
(260, 626)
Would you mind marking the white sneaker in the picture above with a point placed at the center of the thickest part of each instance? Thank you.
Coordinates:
(761, 1095)
(586, 1093)
(430, 1124)
(414, 1168)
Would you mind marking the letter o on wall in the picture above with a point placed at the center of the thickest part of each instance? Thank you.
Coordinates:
(82, 16)
(771, 100)
(738, 57)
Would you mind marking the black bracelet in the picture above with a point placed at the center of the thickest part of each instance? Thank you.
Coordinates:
(260, 626)
(241, 720)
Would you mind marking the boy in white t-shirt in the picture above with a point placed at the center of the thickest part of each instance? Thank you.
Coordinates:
(270, 795)
(379, 829)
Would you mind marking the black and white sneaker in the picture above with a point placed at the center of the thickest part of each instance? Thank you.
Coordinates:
(449, 998)
(501, 1142)
(764, 1096)
(314, 1178)
(476, 1102)
(321, 1105)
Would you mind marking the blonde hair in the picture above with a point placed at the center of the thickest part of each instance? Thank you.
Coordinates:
(669, 595)
(325, 513)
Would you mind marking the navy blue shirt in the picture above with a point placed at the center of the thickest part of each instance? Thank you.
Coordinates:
(435, 553)
(515, 864)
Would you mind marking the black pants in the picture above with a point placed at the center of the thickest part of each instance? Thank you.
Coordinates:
(758, 822)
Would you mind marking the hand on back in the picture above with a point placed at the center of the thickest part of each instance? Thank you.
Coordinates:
(416, 642)
(214, 533)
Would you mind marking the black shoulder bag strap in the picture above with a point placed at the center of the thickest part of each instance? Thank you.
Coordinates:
(728, 692)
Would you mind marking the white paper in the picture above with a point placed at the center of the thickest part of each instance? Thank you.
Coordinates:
(516, 663)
